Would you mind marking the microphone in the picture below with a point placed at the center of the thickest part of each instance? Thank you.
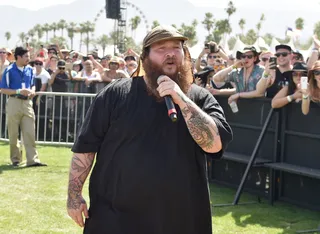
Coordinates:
(172, 112)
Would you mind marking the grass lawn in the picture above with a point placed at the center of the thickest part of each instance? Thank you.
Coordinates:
(32, 200)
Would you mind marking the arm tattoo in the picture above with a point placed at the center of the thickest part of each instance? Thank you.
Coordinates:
(200, 127)
(80, 168)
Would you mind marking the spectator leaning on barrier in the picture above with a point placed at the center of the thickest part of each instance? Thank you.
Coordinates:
(245, 74)
(17, 82)
(113, 72)
(292, 91)
(312, 93)
(276, 74)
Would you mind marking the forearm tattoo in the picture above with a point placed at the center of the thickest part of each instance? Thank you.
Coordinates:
(199, 126)
(80, 168)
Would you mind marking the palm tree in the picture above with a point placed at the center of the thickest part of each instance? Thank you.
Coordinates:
(190, 32)
(39, 30)
(230, 9)
(81, 29)
(208, 22)
(103, 41)
(62, 24)
(22, 36)
(31, 33)
(54, 28)
(134, 23)
(242, 22)
(7, 35)
(259, 24)
(316, 29)
(46, 28)
(299, 23)
(71, 28)
(155, 23)
(88, 27)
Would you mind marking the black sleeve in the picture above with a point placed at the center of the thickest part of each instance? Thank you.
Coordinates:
(96, 123)
(211, 106)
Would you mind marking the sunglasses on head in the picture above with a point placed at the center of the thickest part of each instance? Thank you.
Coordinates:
(213, 56)
(61, 68)
(283, 54)
(37, 63)
(264, 59)
(316, 72)
(250, 56)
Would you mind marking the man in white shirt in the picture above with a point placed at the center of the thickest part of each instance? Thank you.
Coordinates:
(4, 63)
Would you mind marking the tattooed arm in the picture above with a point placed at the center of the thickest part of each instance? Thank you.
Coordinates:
(81, 164)
(201, 126)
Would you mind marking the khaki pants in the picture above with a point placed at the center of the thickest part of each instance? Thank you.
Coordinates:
(20, 114)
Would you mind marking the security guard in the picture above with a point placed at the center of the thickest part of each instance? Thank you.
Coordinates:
(17, 82)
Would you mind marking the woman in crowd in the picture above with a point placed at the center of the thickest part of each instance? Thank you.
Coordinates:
(312, 93)
(291, 92)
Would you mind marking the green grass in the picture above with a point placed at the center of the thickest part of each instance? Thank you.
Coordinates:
(32, 200)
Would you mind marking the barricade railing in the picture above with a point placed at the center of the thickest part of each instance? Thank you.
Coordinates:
(58, 116)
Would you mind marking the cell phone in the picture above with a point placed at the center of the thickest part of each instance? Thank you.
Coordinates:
(69, 66)
(274, 61)
(85, 58)
(304, 82)
(206, 45)
(53, 46)
(212, 48)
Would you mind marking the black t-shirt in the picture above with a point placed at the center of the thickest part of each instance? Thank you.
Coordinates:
(282, 79)
(60, 83)
(150, 175)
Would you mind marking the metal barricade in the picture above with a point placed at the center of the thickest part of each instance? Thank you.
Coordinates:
(58, 117)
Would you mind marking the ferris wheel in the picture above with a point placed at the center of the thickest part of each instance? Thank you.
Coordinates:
(138, 11)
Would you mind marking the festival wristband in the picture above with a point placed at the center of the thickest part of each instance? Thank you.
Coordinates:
(305, 96)
(266, 75)
(289, 98)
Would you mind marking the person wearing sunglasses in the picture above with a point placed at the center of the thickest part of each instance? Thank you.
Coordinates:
(312, 93)
(212, 55)
(291, 92)
(276, 75)
(245, 74)
(264, 57)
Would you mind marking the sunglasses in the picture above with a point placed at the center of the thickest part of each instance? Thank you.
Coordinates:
(299, 74)
(3, 52)
(283, 54)
(213, 56)
(250, 56)
(264, 59)
(61, 68)
(316, 72)
(131, 65)
(113, 63)
(38, 64)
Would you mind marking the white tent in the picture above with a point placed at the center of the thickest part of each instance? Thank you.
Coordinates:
(239, 46)
(224, 44)
(196, 50)
(260, 44)
(273, 45)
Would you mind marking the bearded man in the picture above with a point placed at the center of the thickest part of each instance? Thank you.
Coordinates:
(150, 173)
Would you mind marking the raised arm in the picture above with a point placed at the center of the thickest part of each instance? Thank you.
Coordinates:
(201, 126)
(81, 165)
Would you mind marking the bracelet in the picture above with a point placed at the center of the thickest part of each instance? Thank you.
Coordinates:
(234, 67)
(18, 91)
(289, 98)
(266, 75)
(305, 96)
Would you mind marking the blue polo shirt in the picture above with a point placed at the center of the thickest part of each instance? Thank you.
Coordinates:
(13, 77)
